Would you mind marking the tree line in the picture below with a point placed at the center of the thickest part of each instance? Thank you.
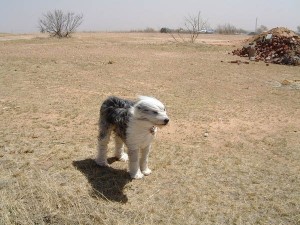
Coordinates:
(60, 24)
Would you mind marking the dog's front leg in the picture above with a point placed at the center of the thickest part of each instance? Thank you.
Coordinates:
(144, 161)
(134, 166)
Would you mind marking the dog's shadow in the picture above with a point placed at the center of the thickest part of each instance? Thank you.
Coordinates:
(107, 183)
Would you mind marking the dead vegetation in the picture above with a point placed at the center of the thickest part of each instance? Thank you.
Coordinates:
(229, 156)
(59, 24)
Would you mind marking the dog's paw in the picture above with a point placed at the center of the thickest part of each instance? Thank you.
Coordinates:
(137, 175)
(102, 163)
(146, 172)
(123, 157)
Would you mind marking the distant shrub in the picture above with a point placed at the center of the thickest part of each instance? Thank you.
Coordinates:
(147, 30)
(60, 24)
(164, 30)
(261, 29)
(227, 29)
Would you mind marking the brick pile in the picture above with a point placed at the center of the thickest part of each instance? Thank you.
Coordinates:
(279, 46)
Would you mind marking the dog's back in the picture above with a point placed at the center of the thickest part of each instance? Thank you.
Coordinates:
(115, 112)
(114, 109)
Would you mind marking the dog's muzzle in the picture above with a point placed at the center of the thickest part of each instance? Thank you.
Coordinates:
(166, 121)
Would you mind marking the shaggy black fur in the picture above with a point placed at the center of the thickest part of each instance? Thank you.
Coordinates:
(114, 112)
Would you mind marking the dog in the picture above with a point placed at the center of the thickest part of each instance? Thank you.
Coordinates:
(135, 125)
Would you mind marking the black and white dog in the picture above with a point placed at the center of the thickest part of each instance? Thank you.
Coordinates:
(135, 124)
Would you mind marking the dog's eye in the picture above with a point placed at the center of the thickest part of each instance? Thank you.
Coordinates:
(155, 113)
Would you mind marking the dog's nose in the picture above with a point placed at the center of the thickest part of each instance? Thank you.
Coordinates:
(166, 121)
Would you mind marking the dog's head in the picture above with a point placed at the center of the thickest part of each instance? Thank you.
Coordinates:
(152, 110)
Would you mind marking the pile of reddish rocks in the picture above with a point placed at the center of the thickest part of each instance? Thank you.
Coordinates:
(279, 46)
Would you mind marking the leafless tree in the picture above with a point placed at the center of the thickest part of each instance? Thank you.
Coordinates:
(298, 29)
(60, 24)
(193, 26)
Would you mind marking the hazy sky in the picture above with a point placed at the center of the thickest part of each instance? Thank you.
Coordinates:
(21, 16)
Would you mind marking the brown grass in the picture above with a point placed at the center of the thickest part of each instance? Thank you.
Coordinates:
(229, 156)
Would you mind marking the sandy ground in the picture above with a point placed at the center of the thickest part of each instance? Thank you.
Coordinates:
(230, 154)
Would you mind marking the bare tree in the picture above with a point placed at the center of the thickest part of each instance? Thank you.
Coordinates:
(60, 24)
(298, 29)
(193, 26)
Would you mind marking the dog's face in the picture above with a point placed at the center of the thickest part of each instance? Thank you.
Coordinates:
(152, 110)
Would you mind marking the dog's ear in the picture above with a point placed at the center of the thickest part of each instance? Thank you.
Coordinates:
(142, 109)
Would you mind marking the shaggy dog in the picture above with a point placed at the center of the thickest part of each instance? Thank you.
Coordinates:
(135, 124)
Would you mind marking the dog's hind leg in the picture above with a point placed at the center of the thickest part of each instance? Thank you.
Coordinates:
(103, 139)
(144, 161)
(119, 152)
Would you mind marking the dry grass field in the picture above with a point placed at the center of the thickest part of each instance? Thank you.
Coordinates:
(230, 155)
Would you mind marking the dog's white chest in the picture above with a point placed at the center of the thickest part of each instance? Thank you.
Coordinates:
(140, 135)
(153, 130)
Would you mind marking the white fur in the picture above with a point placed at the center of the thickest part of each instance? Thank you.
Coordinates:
(146, 115)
